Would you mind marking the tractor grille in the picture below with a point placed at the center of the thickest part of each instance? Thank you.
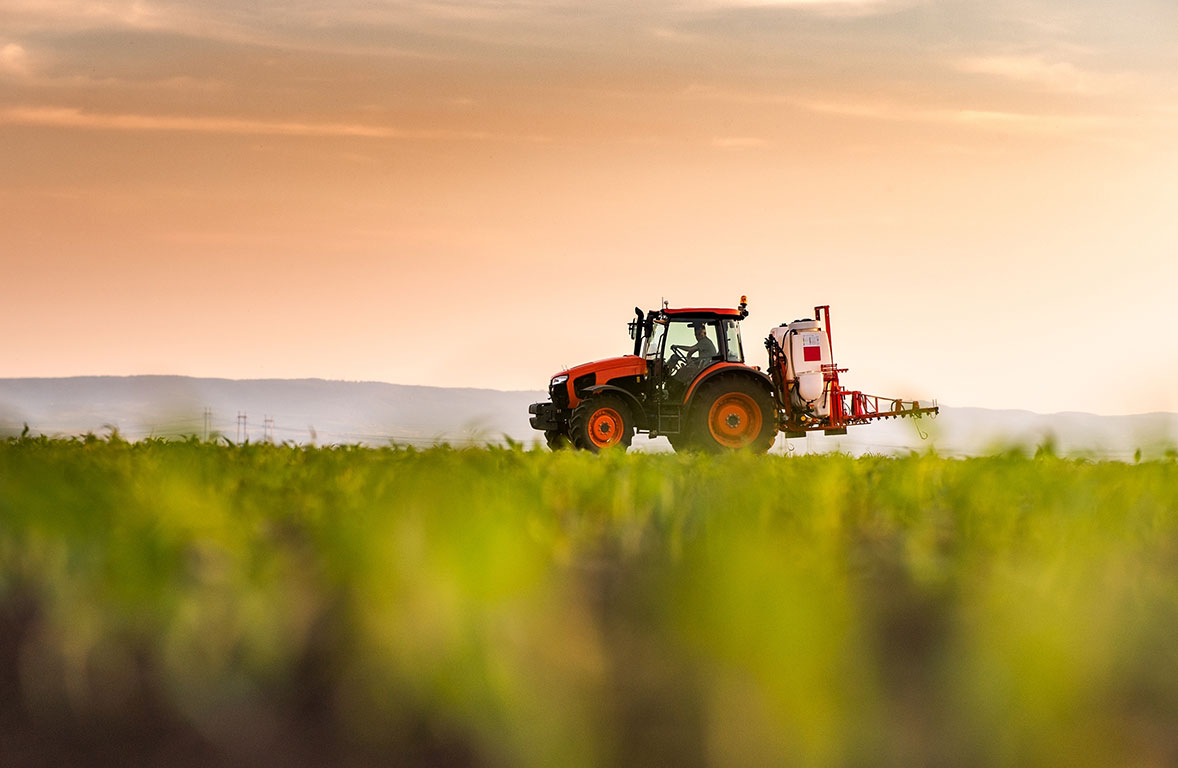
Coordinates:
(560, 395)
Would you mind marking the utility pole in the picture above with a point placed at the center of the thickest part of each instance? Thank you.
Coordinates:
(268, 429)
(242, 428)
(208, 422)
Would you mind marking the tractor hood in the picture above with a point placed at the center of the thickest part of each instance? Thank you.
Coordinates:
(579, 377)
(610, 368)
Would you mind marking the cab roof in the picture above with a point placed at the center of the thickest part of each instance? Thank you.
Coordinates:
(696, 312)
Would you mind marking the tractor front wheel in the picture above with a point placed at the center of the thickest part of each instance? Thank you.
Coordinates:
(733, 413)
(602, 421)
(556, 439)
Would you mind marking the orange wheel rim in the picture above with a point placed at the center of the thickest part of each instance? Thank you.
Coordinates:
(605, 427)
(734, 420)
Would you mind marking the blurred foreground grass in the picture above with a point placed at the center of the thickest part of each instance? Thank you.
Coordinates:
(197, 604)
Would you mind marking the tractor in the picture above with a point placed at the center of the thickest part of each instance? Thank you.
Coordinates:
(687, 380)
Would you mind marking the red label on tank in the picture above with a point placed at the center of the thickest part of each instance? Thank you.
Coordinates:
(810, 354)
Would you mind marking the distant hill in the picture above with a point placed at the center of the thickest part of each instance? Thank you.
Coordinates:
(301, 410)
(330, 412)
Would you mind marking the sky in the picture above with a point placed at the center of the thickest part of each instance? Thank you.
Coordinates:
(478, 193)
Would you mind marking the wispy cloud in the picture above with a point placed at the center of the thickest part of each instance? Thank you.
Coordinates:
(808, 4)
(1059, 76)
(38, 69)
(83, 13)
(851, 8)
(69, 117)
(991, 119)
(899, 110)
(813, 5)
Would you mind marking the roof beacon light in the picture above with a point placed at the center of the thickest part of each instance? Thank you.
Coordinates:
(744, 302)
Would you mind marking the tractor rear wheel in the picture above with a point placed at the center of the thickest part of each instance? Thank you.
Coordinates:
(732, 413)
(602, 421)
(556, 439)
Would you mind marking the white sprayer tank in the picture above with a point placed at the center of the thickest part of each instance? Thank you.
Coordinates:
(807, 349)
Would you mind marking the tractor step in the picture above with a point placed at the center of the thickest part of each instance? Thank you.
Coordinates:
(669, 419)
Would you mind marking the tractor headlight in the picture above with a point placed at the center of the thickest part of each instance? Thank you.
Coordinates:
(558, 380)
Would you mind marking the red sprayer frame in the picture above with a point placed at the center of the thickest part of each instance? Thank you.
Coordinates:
(847, 407)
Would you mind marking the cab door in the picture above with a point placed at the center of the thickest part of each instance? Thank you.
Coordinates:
(681, 359)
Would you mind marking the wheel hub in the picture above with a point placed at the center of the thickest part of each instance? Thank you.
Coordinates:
(605, 427)
(734, 420)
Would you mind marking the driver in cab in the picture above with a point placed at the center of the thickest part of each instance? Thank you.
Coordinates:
(703, 349)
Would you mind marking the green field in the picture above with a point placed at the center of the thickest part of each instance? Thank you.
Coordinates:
(198, 604)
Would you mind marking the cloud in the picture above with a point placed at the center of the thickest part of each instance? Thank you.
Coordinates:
(83, 13)
(1059, 76)
(70, 117)
(823, 7)
(997, 120)
(811, 4)
(14, 60)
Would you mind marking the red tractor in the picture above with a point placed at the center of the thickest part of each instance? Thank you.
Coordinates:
(687, 380)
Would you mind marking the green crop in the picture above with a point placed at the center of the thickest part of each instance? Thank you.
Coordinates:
(195, 603)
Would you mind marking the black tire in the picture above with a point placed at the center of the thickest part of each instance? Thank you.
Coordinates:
(556, 440)
(602, 421)
(731, 413)
(680, 442)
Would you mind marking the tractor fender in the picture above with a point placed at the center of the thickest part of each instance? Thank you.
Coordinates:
(639, 413)
(722, 369)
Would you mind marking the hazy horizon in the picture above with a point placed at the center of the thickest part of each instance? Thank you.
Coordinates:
(540, 392)
(321, 412)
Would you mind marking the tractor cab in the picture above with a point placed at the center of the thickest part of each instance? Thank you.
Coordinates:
(680, 344)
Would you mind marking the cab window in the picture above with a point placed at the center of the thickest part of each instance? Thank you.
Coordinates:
(686, 355)
(679, 334)
(734, 353)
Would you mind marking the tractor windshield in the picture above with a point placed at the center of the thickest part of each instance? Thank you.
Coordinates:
(654, 343)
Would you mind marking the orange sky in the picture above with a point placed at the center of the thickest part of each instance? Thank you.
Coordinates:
(475, 194)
